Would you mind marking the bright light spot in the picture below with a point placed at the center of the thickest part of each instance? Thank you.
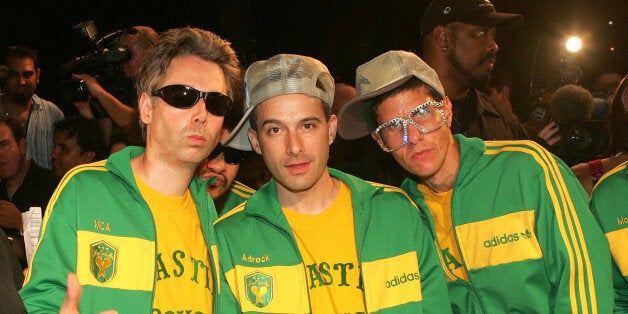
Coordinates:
(610, 22)
(612, 49)
(573, 44)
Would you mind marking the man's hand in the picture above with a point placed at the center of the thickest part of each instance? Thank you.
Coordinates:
(10, 216)
(549, 133)
(84, 109)
(119, 113)
(92, 84)
(72, 296)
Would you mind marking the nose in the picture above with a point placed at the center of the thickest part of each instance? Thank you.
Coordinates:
(54, 153)
(294, 146)
(200, 112)
(492, 45)
(217, 165)
(414, 135)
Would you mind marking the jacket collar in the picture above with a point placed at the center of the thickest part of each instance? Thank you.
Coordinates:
(471, 149)
(264, 202)
(120, 164)
(485, 104)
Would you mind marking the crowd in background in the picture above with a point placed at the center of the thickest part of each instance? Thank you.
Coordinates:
(585, 127)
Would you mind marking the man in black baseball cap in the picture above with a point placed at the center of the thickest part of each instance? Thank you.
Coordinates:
(459, 44)
(476, 12)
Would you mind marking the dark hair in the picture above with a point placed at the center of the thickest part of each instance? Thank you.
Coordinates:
(129, 134)
(411, 84)
(88, 133)
(20, 52)
(617, 120)
(15, 127)
(571, 102)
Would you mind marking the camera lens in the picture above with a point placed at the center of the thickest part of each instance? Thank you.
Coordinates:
(74, 90)
(580, 139)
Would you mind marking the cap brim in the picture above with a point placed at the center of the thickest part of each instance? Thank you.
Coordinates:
(503, 20)
(353, 120)
(239, 138)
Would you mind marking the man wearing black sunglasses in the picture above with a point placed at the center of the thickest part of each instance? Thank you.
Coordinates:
(138, 40)
(223, 164)
(137, 229)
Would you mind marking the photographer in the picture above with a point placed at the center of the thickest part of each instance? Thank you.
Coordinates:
(569, 110)
(617, 152)
(138, 40)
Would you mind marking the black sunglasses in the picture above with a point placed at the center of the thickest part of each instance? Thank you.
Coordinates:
(232, 156)
(184, 97)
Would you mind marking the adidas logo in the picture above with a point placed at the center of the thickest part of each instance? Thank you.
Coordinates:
(526, 235)
(507, 238)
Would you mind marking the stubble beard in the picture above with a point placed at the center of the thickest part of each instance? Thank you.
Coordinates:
(20, 98)
(475, 80)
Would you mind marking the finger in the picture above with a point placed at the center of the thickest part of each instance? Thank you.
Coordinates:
(553, 131)
(73, 292)
(553, 140)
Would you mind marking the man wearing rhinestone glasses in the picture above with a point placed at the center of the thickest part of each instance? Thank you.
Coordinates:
(137, 228)
(511, 221)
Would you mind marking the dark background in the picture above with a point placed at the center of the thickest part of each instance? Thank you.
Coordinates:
(342, 34)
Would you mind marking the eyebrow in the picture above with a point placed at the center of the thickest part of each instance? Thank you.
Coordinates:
(276, 121)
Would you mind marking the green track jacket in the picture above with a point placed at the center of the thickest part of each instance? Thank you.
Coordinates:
(528, 241)
(609, 205)
(237, 194)
(98, 226)
(395, 248)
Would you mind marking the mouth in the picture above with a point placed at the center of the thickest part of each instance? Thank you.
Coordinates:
(220, 180)
(197, 140)
(298, 167)
(420, 155)
(490, 60)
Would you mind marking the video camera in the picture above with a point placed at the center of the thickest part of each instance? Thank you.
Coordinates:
(582, 140)
(103, 63)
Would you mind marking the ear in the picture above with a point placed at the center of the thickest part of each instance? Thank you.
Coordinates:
(505, 91)
(21, 144)
(38, 73)
(88, 156)
(449, 114)
(333, 128)
(145, 107)
(440, 36)
(253, 139)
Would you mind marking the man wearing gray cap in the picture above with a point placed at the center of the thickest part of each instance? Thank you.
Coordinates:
(314, 239)
(511, 222)
(459, 44)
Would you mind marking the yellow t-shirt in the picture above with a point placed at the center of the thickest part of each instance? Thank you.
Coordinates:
(327, 245)
(184, 279)
(439, 205)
